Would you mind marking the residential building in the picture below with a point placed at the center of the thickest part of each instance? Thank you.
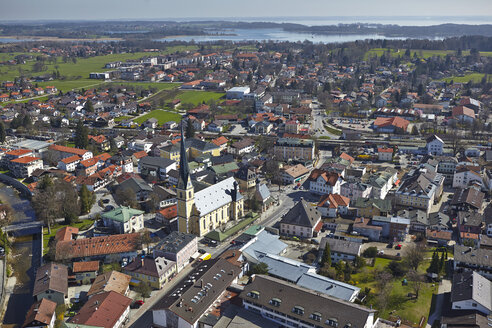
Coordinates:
(23, 167)
(341, 250)
(141, 188)
(434, 145)
(355, 189)
(441, 237)
(263, 196)
(69, 164)
(471, 291)
(184, 305)
(124, 220)
(382, 182)
(473, 259)
(112, 281)
(64, 152)
(469, 199)
(302, 220)
(390, 124)
(178, 247)
(157, 167)
(85, 272)
(292, 148)
(370, 207)
(286, 304)
(394, 228)
(168, 216)
(41, 315)
(237, 92)
(51, 282)
(291, 174)
(331, 205)
(420, 189)
(363, 227)
(152, 271)
(323, 182)
(466, 175)
(385, 154)
(241, 147)
(106, 310)
(463, 114)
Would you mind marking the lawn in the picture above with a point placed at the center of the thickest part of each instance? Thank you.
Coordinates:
(474, 77)
(82, 225)
(122, 118)
(420, 53)
(198, 97)
(158, 85)
(161, 115)
(69, 85)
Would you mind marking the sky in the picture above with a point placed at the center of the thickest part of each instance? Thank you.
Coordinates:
(161, 9)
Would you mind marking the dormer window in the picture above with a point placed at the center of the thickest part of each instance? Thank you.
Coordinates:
(254, 294)
(316, 316)
(332, 322)
(275, 302)
(298, 310)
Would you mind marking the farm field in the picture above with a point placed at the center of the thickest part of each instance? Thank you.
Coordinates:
(475, 77)
(420, 53)
(161, 115)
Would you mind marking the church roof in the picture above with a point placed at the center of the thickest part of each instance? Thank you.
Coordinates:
(184, 173)
(215, 196)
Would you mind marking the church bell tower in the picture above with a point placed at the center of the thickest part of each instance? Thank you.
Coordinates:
(185, 193)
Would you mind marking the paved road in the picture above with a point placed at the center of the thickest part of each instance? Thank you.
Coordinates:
(444, 287)
(317, 126)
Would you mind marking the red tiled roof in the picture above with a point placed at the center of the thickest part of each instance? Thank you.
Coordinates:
(462, 110)
(69, 150)
(40, 312)
(140, 154)
(89, 162)
(394, 121)
(329, 177)
(71, 159)
(318, 227)
(169, 212)
(347, 157)
(97, 139)
(66, 233)
(85, 266)
(385, 150)
(25, 159)
(220, 141)
(103, 157)
(334, 200)
(18, 152)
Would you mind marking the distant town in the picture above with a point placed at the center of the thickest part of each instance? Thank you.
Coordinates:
(246, 184)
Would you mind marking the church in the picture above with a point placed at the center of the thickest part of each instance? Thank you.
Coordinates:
(209, 208)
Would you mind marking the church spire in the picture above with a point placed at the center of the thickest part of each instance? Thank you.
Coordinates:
(184, 173)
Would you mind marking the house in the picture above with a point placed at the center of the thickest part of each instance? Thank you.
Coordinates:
(85, 272)
(124, 220)
(331, 205)
(221, 142)
(196, 297)
(141, 188)
(340, 250)
(178, 247)
(108, 248)
(106, 310)
(471, 222)
(293, 148)
(263, 196)
(303, 220)
(473, 259)
(390, 125)
(112, 281)
(394, 228)
(469, 199)
(241, 147)
(363, 228)
(464, 176)
(168, 216)
(152, 271)
(463, 114)
(23, 167)
(293, 174)
(420, 189)
(382, 182)
(69, 164)
(441, 237)
(287, 304)
(324, 182)
(151, 123)
(370, 207)
(471, 291)
(246, 178)
(41, 315)
(51, 282)
(87, 167)
(64, 152)
(385, 154)
(100, 141)
(434, 145)
(156, 166)
(354, 189)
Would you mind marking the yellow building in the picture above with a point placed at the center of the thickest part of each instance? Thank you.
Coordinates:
(155, 272)
(208, 209)
(194, 148)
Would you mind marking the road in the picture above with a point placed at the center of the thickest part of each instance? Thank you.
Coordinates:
(317, 126)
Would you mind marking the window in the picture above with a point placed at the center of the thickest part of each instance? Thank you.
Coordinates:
(298, 310)
(316, 316)
(254, 294)
(275, 302)
(332, 322)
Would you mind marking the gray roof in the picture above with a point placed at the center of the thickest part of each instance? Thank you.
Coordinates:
(383, 205)
(341, 246)
(470, 219)
(302, 214)
(51, 276)
(263, 191)
(470, 285)
(160, 162)
(174, 242)
(215, 196)
(470, 196)
(136, 184)
(284, 268)
(290, 296)
(328, 286)
(423, 182)
(264, 241)
(478, 256)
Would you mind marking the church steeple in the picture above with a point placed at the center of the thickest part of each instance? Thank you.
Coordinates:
(184, 171)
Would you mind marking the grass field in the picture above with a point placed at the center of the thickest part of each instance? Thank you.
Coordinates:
(121, 118)
(198, 97)
(158, 85)
(474, 77)
(160, 115)
(82, 225)
(420, 53)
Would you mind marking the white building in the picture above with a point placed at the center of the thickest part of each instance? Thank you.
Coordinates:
(471, 291)
(385, 154)
(464, 175)
(69, 164)
(124, 220)
(434, 145)
(23, 167)
(237, 92)
(324, 182)
(355, 189)
(139, 145)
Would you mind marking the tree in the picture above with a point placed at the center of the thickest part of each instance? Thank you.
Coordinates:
(415, 130)
(145, 239)
(3, 133)
(326, 259)
(442, 261)
(5, 215)
(143, 289)
(190, 129)
(416, 280)
(87, 199)
(397, 268)
(413, 256)
(81, 135)
(434, 265)
(126, 197)
(46, 206)
(89, 107)
(370, 252)
(359, 262)
(260, 268)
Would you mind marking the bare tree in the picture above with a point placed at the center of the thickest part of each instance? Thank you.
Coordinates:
(413, 256)
(417, 281)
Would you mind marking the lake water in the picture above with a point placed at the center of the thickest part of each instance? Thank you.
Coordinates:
(276, 34)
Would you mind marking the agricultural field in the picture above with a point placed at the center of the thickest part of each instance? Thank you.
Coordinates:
(161, 115)
(420, 53)
(198, 97)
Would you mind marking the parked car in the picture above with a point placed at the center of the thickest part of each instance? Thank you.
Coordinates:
(105, 201)
(137, 304)
(390, 245)
(108, 208)
(398, 246)
(201, 251)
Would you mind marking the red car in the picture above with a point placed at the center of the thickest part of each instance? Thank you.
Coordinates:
(137, 304)
(398, 246)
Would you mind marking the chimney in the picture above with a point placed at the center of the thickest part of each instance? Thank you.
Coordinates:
(201, 283)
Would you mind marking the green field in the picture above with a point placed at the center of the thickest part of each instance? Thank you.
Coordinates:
(158, 85)
(474, 77)
(160, 115)
(121, 118)
(198, 97)
(420, 53)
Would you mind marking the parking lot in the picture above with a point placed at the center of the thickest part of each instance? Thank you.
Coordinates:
(383, 248)
(353, 124)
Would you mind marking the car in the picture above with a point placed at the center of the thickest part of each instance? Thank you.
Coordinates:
(398, 246)
(137, 304)
(201, 251)
(108, 208)
(398, 254)
(380, 252)
(314, 241)
(390, 245)
(2, 251)
(105, 201)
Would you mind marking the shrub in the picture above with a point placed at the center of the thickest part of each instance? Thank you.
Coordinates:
(397, 268)
(370, 252)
